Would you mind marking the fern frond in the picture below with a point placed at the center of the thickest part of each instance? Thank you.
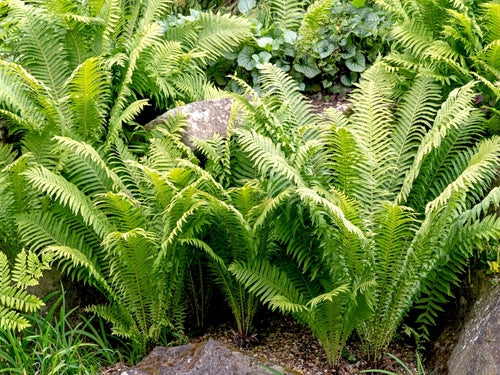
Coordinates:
(42, 53)
(14, 300)
(327, 296)
(89, 93)
(122, 110)
(266, 281)
(491, 18)
(68, 195)
(415, 113)
(454, 112)
(318, 14)
(372, 123)
(287, 14)
(284, 89)
(219, 34)
(476, 177)
(268, 158)
(413, 35)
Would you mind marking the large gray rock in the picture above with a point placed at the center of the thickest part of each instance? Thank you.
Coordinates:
(204, 118)
(477, 351)
(207, 358)
(208, 117)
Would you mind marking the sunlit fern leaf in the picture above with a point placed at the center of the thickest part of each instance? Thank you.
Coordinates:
(444, 164)
(122, 109)
(482, 165)
(156, 10)
(266, 281)
(372, 122)
(67, 194)
(25, 98)
(415, 113)
(42, 53)
(454, 112)
(130, 273)
(287, 14)
(267, 156)
(490, 55)
(89, 93)
(414, 35)
(109, 12)
(281, 87)
(491, 18)
(219, 34)
(318, 14)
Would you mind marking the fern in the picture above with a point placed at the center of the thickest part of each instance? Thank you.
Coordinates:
(452, 41)
(375, 228)
(14, 299)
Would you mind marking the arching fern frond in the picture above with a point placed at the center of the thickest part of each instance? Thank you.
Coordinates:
(67, 194)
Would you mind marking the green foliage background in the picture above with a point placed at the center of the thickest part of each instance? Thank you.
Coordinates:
(345, 221)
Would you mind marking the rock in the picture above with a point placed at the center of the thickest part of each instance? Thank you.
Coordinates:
(477, 351)
(204, 118)
(208, 117)
(207, 358)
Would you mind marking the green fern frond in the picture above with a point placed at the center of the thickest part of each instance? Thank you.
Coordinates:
(89, 95)
(42, 53)
(372, 123)
(23, 98)
(68, 195)
(219, 34)
(318, 14)
(281, 86)
(109, 14)
(122, 110)
(287, 14)
(415, 113)
(267, 156)
(474, 179)
(414, 35)
(491, 18)
(266, 281)
(328, 296)
(454, 112)
(14, 300)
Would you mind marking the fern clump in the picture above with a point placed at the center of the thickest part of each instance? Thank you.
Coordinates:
(453, 42)
(27, 268)
(86, 69)
(369, 214)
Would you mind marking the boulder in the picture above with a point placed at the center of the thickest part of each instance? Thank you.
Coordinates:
(207, 358)
(208, 117)
(204, 118)
(477, 351)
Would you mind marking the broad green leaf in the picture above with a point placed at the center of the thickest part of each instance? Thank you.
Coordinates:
(245, 58)
(356, 63)
(245, 6)
(310, 71)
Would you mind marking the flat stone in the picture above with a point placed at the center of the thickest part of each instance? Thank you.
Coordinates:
(207, 358)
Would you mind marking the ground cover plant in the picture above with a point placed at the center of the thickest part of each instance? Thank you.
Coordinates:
(81, 70)
(324, 44)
